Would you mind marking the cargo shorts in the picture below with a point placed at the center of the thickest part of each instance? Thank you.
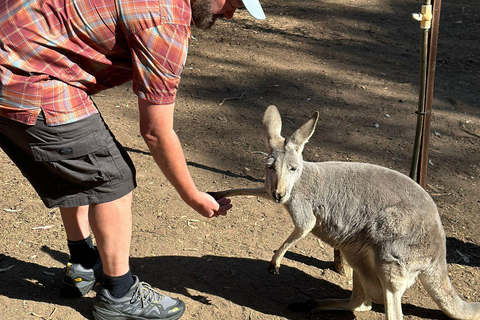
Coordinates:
(70, 165)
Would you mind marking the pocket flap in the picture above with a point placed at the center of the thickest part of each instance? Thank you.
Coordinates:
(69, 149)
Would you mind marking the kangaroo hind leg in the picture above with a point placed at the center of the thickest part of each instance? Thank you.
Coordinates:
(359, 300)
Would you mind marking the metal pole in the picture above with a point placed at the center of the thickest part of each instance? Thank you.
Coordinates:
(432, 58)
(418, 170)
(421, 104)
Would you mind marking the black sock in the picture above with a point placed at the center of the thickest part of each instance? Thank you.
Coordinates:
(83, 252)
(118, 286)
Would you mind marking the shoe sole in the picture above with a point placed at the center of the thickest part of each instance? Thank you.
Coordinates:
(78, 289)
(103, 314)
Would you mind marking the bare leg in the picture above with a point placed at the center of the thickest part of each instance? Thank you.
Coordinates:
(111, 223)
(75, 221)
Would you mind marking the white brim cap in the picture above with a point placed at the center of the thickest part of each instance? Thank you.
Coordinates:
(254, 8)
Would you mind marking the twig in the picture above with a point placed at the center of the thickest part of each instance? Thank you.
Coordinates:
(320, 244)
(51, 314)
(48, 318)
(471, 133)
(232, 98)
(42, 227)
(190, 221)
(464, 257)
(260, 152)
(6, 268)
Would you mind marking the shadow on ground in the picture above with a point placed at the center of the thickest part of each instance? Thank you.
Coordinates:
(464, 253)
(239, 280)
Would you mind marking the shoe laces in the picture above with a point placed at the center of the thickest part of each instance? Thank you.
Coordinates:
(146, 294)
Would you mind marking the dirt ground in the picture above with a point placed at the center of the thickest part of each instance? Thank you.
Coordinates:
(354, 61)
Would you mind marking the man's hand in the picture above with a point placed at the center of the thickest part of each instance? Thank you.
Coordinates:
(208, 207)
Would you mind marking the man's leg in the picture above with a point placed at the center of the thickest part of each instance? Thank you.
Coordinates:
(111, 223)
(84, 268)
(122, 295)
(82, 250)
(112, 226)
(75, 221)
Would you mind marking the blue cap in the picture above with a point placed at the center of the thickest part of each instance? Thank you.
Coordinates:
(254, 8)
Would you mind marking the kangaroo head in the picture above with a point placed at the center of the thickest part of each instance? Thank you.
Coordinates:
(285, 162)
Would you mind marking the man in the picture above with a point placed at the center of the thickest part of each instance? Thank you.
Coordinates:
(54, 54)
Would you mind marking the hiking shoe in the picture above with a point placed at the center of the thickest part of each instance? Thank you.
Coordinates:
(141, 302)
(78, 280)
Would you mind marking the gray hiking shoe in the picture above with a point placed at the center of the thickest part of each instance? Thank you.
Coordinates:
(139, 303)
(78, 280)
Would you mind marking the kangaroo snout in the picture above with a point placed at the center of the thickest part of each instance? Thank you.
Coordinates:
(278, 195)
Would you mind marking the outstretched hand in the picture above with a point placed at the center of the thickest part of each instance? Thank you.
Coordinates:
(224, 206)
(208, 207)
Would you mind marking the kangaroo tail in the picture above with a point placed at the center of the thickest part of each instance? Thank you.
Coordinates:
(437, 283)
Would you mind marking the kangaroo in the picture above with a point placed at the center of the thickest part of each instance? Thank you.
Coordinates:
(384, 224)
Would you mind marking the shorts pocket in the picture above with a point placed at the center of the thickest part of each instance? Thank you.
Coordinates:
(85, 161)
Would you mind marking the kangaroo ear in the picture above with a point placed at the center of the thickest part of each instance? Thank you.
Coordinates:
(301, 136)
(273, 125)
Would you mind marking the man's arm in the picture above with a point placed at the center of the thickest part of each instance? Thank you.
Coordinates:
(156, 127)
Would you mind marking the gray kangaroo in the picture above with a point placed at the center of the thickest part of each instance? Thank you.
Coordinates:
(384, 224)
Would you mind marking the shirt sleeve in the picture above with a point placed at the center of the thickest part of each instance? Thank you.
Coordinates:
(158, 58)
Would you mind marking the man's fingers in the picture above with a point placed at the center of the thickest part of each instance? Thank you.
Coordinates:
(224, 201)
(224, 206)
(223, 209)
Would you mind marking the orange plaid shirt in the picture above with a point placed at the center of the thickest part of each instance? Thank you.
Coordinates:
(55, 53)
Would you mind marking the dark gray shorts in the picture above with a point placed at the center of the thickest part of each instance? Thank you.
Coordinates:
(70, 165)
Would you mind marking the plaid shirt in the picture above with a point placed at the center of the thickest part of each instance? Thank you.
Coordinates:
(55, 53)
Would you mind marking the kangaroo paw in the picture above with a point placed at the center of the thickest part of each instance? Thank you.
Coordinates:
(273, 269)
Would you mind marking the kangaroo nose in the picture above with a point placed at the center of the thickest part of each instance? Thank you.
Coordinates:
(277, 195)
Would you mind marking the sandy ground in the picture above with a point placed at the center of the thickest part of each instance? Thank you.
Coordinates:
(354, 61)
